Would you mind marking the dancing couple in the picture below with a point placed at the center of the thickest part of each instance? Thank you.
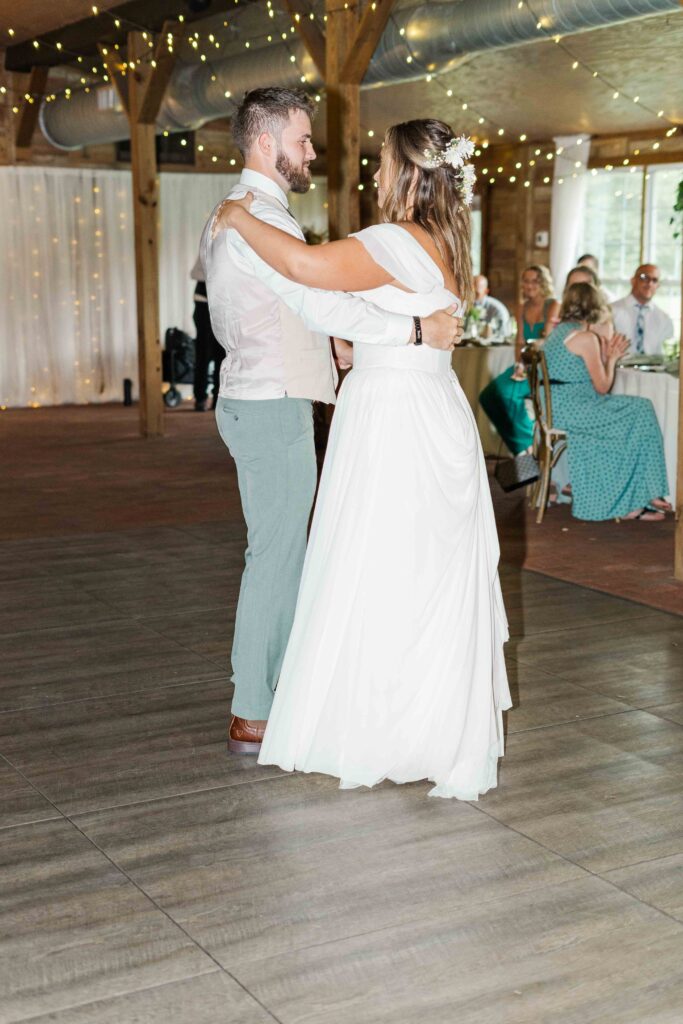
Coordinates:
(375, 652)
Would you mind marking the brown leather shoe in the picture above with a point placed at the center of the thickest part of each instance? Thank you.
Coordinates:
(245, 735)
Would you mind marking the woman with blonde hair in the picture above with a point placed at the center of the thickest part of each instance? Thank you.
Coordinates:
(615, 447)
(395, 668)
(504, 400)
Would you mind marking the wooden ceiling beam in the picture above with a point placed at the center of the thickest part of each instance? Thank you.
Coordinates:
(30, 108)
(114, 65)
(368, 34)
(164, 58)
(314, 41)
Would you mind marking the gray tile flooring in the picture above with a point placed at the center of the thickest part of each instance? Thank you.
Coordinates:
(146, 876)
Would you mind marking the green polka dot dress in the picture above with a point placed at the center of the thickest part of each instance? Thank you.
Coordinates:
(615, 448)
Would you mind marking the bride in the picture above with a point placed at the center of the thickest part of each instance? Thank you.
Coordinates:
(394, 668)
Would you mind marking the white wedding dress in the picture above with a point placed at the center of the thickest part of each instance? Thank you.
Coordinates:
(394, 668)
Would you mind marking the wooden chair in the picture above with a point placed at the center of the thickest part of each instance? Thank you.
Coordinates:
(549, 442)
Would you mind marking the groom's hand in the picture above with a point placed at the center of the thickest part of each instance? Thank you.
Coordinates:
(442, 329)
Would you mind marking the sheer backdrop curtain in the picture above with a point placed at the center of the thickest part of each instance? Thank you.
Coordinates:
(568, 199)
(67, 303)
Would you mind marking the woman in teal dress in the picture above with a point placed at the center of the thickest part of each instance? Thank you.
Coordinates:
(615, 448)
(504, 400)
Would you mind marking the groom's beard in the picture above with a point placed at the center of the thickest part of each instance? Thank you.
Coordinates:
(299, 178)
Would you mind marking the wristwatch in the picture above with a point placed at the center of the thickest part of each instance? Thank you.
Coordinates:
(418, 330)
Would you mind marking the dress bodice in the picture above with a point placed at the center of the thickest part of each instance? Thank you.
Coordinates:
(532, 332)
(564, 366)
(402, 256)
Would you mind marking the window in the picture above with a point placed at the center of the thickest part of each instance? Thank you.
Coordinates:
(626, 222)
(659, 244)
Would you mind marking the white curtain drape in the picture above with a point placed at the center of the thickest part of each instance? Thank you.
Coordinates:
(67, 306)
(568, 197)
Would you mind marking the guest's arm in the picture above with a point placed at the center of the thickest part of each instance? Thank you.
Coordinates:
(593, 351)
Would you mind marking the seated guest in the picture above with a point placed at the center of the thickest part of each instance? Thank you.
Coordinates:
(504, 400)
(491, 311)
(207, 347)
(645, 325)
(590, 262)
(615, 448)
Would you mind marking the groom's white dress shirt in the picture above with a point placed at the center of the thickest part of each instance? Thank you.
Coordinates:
(276, 332)
(657, 325)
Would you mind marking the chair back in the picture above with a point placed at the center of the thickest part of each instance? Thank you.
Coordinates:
(533, 358)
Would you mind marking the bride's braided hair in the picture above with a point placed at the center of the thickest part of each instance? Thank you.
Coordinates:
(435, 202)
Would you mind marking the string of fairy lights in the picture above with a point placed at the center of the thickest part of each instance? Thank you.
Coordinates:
(486, 130)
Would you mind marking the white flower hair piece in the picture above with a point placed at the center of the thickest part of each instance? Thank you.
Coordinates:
(456, 153)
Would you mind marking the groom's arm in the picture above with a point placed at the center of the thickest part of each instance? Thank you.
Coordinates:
(334, 313)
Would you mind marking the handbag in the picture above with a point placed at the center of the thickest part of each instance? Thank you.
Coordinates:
(517, 471)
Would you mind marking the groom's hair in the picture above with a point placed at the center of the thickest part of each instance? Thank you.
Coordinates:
(267, 110)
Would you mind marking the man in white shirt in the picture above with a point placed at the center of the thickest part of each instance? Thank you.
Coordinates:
(645, 325)
(491, 311)
(278, 361)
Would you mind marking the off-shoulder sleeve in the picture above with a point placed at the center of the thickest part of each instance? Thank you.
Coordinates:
(396, 251)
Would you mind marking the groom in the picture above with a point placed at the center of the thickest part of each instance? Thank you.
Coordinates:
(278, 362)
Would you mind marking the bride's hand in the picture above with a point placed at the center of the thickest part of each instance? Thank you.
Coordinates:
(225, 215)
(344, 353)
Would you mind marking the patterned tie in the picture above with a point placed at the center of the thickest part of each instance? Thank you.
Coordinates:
(640, 327)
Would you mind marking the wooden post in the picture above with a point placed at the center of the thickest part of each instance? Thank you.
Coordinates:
(351, 42)
(147, 81)
(678, 540)
(343, 124)
(28, 115)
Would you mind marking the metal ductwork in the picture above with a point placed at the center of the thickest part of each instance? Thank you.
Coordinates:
(437, 36)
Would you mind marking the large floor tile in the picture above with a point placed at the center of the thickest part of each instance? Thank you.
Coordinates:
(19, 800)
(577, 953)
(639, 662)
(257, 870)
(604, 792)
(41, 603)
(539, 606)
(75, 929)
(51, 666)
(91, 754)
(207, 999)
(541, 699)
(96, 552)
(657, 882)
(672, 712)
(175, 587)
(208, 633)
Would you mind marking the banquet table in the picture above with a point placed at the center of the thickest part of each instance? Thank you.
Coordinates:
(475, 367)
(662, 389)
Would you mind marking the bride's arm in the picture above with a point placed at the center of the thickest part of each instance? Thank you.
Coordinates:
(343, 266)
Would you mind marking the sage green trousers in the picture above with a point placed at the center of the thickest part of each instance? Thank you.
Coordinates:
(271, 442)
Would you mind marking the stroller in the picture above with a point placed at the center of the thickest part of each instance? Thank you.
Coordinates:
(177, 364)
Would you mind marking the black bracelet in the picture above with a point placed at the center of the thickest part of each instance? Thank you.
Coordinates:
(418, 330)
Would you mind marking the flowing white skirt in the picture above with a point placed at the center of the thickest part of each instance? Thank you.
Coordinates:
(394, 668)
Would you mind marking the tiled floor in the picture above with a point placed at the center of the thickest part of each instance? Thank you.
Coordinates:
(148, 877)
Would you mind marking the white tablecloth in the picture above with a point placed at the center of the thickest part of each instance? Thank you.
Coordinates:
(475, 368)
(662, 390)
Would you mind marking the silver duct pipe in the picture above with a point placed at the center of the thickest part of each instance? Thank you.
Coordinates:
(438, 36)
